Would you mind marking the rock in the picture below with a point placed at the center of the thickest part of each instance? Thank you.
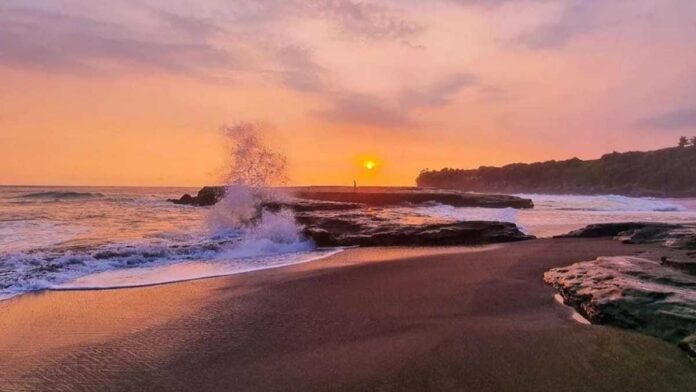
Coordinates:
(185, 199)
(333, 218)
(207, 196)
(634, 293)
(684, 264)
(310, 205)
(374, 197)
(637, 231)
(689, 345)
(330, 232)
(399, 196)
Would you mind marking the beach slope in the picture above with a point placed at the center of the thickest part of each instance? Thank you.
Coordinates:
(380, 319)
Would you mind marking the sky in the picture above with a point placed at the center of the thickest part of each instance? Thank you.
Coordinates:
(135, 92)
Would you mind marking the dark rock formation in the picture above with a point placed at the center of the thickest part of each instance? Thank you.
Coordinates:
(632, 231)
(390, 198)
(337, 232)
(382, 196)
(631, 292)
(207, 196)
(667, 172)
(654, 297)
(674, 236)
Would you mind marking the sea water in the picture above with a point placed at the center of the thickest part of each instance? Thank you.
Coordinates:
(101, 237)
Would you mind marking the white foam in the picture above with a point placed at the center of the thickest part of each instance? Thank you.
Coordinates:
(468, 213)
(181, 272)
(606, 203)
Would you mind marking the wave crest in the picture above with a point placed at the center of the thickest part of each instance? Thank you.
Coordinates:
(61, 195)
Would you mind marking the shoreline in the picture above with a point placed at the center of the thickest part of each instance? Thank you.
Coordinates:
(331, 252)
(365, 318)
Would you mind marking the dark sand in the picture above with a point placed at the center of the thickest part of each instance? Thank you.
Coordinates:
(435, 319)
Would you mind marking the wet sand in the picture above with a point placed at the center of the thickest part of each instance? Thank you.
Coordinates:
(399, 319)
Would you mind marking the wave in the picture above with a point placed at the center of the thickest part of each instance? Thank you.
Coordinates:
(602, 203)
(61, 195)
(187, 271)
(459, 214)
(225, 252)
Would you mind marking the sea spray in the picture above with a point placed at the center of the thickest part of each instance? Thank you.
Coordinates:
(253, 169)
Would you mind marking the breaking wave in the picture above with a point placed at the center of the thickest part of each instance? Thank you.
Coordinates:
(253, 169)
(57, 267)
(58, 195)
(238, 233)
(601, 203)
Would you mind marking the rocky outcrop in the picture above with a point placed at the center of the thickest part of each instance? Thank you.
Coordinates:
(337, 216)
(674, 236)
(654, 294)
(207, 196)
(374, 197)
(397, 197)
(339, 232)
(632, 292)
(631, 230)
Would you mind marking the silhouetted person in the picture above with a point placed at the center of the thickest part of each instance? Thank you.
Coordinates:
(355, 186)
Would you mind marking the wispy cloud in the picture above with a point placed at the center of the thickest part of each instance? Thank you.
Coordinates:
(193, 26)
(683, 118)
(575, 18)
(364, 110)
(396, 111)
(59, 42)
(438, 93)
(298, 70)
(368, 20)
(220, 38)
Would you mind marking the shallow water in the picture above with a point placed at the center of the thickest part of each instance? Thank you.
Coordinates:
(58, 237)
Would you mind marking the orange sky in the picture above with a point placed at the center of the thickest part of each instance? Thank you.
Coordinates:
(135, 93)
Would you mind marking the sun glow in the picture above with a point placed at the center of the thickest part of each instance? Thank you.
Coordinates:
(369, 165)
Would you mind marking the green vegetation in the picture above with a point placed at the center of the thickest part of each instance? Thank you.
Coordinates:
(666, 172)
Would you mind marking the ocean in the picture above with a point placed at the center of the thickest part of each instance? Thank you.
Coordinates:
(63, 238)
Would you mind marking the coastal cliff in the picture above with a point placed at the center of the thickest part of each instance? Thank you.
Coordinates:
(667, 172)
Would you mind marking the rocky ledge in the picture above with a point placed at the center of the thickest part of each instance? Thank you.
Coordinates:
(654, 294)
(628, 230)
(338, 232)
(634, 293)
(373, 197)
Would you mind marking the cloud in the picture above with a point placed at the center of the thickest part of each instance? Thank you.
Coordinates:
(298, 70)
(59, 42)
(208, 40)
(481, 2)
(368, 20)
(364, 110)
(195, 27)
(384, 112)
(437, 94)
(684, 118)
(575, 18)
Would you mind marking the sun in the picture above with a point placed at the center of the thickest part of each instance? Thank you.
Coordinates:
(369, 165)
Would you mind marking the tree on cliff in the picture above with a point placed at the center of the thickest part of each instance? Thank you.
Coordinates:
(683, 141)
(665, 172)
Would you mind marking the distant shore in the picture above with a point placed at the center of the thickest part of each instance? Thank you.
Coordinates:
(387, 319)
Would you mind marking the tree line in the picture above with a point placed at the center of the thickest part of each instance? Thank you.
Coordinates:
(686, 142)
(669, 172)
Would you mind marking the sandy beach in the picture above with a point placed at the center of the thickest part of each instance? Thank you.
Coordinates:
(380, 319)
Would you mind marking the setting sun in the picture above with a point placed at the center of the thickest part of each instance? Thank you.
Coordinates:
(369, 165)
